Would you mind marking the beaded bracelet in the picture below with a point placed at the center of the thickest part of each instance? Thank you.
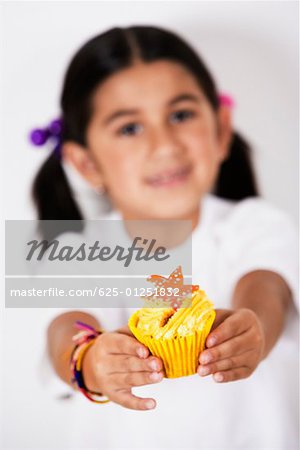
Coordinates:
(83, 340)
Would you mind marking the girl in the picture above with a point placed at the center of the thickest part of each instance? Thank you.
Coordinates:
(144, 123)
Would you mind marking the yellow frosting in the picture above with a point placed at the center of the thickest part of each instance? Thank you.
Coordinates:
(167, 323)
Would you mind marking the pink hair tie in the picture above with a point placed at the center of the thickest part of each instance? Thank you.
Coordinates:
(226, 100)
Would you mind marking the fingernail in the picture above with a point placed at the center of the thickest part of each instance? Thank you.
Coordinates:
(155, 376)
(150, 404)
(218, 377)
(142, 353)
(211, 341)
(203, 371)
(153, 365)
(205, 358)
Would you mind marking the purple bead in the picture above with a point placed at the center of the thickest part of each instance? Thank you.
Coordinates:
(55, 127)
(39, 136)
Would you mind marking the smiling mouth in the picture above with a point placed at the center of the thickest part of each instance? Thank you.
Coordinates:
(170, 178)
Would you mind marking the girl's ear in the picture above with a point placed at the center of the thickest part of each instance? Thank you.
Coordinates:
(224, 131)
(81, 159)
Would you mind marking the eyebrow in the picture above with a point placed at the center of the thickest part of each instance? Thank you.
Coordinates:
(127, 112)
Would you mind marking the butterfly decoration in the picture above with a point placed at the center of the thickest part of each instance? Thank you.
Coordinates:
(170, 291)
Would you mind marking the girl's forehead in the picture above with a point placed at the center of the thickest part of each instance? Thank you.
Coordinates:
(143, 82)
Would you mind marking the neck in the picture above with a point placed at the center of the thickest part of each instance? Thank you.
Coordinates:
(194, 217)
(162, 231)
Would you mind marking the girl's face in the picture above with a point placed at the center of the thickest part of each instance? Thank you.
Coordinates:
(154, 142)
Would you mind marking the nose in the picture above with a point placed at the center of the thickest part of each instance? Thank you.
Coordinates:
(164, 142)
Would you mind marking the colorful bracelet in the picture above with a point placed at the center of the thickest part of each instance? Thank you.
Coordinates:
(83, 340)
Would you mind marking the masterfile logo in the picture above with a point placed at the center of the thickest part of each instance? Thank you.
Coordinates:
(94, 264)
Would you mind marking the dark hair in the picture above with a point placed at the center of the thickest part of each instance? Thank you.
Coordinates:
(99, 58)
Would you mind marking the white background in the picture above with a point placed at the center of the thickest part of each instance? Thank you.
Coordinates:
(251, 48)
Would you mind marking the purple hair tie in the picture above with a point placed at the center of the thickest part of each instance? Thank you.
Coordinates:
(39, 136)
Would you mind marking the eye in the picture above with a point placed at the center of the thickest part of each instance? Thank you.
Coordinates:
(131, 129)
(182, 115)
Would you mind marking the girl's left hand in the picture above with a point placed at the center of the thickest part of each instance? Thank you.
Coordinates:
(234, 347)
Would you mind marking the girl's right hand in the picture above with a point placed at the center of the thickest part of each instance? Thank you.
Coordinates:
(116, 363)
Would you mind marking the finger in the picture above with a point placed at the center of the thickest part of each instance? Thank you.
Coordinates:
(128, 400)
(232, 375)
(232, 326)
(133, 379)
(221, 315)
(123, 344)
(232, 347)
(228, 363)
(128, 363)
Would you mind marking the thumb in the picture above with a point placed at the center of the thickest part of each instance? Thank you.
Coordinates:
(125, 330)
(221, 315)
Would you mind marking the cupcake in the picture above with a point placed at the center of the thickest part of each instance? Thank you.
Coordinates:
(176, 335)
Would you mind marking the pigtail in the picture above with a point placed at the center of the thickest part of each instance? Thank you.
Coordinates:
(236, 179)
(54, 200)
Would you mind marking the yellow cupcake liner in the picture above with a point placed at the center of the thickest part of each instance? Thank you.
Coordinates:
(180, 354)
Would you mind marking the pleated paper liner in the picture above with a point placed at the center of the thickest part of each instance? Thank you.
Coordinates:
(179, 354)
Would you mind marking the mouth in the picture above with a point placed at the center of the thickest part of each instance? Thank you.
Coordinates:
(170, 178)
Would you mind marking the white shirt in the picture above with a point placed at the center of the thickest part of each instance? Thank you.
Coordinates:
(259, 412)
